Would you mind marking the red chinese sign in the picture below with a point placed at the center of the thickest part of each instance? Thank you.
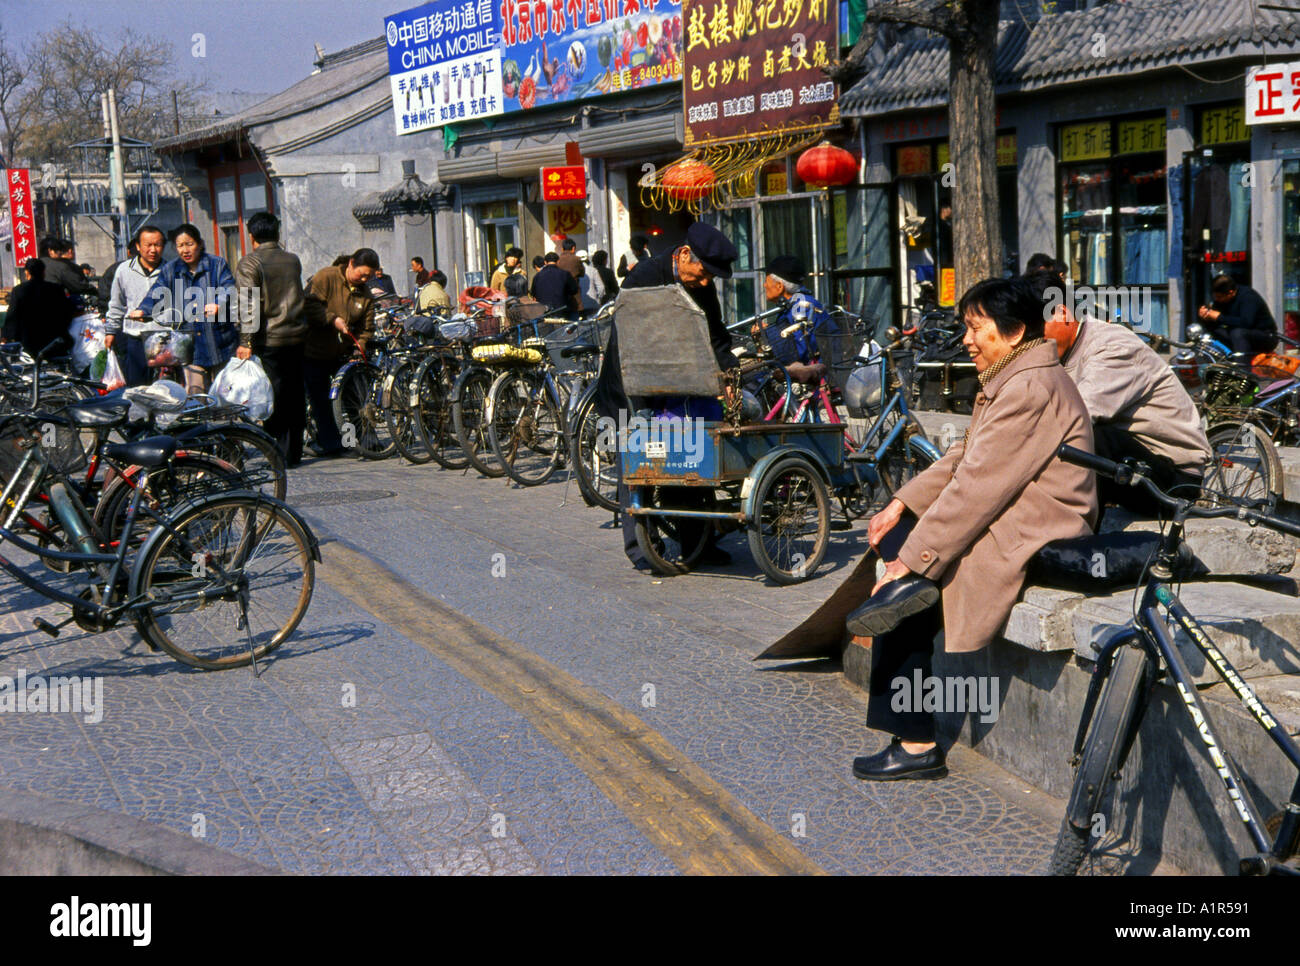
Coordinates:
(756, 67)
(21, 214)
(564, 183)
(1273, 94)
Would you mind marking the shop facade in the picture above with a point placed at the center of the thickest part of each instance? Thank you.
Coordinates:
(1138, 174)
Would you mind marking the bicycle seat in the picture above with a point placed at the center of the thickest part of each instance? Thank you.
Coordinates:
(105, 411)
(151, 451)
(805, 374)
(579, 349)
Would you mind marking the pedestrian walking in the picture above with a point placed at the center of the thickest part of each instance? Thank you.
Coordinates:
(197, 284)
(132, 281)
(272, 327)
(638, 251)
(608, 281)
(39, 311)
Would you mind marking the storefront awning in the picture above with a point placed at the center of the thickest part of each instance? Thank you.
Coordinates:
(480, 167)
(633, 139)
(504, 165)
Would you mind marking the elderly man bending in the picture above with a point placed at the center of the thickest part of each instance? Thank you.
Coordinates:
(1139, 409)
(964, 530)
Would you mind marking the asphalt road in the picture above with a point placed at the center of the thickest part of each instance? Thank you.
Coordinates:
(484, 685)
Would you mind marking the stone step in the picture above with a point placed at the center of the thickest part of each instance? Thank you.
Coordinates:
(1252, 628)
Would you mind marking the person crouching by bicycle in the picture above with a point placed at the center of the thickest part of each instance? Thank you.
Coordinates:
(962, 533)
(195, 278)
(340, 313)
(1139, 409)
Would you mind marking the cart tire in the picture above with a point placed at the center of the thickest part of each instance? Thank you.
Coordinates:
(660, 540)
(791, 525)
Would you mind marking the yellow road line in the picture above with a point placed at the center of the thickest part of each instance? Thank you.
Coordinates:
(687, 815)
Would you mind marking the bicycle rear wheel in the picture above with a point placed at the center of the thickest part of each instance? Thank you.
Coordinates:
(401, 414)
(595, 457)
(234, 579)
(1099, 761)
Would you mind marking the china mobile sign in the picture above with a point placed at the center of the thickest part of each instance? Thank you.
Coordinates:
(458, 60)
(1273, 94)
(21, 215)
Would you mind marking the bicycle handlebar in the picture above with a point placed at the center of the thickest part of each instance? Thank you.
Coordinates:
(1128, 475)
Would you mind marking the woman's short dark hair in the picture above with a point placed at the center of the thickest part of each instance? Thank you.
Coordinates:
(340, 261)
(264, 227)
(600, 258)
(1039, 262)
(365, 256)
(1009, 302)
(186, 229)
(437, 275)
(516, 285)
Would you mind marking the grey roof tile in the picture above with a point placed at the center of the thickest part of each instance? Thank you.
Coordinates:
(1140, 35)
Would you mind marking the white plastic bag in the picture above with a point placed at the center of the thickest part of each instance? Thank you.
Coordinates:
(112, 377)
(163, 399)
(87, 333)
(243, 382)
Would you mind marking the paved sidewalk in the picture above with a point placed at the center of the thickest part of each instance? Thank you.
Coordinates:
(429, 772)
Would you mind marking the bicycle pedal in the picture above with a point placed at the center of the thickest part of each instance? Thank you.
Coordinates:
(52, 629)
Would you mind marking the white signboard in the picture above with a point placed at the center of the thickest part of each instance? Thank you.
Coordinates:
(1273, 94)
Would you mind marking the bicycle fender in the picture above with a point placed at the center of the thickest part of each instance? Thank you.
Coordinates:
(925, 446)
(768, 461)
(336, 384)
(458, 387)
(159, 532)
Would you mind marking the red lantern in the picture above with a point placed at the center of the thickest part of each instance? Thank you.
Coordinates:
(688, 180)
(825, 166)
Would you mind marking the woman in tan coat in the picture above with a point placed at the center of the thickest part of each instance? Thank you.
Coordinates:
(964, 531)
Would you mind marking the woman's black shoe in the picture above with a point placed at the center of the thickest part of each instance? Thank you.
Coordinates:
(894, 764)
(889, 606)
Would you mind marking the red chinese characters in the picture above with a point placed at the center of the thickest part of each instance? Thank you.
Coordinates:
(564, 183)
(21, 215)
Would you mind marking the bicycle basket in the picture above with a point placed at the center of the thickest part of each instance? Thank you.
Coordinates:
(840, 341)
(570, 334)
(62, 446)
(458, 330)
(421, 326)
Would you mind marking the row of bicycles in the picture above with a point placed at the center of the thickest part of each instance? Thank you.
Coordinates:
(152, 508)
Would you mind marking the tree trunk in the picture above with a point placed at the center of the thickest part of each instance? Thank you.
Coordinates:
(972, 137)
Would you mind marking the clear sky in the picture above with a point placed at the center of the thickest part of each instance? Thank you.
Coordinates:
(260, 46)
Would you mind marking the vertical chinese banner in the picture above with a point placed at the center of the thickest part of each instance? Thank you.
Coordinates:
(22, 215)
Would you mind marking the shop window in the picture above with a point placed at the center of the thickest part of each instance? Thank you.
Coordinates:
(1114, 217)
(238, 192)
(1291, 246)
(498, 228)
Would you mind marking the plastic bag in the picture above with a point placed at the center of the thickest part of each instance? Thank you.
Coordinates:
(163, 399)
(243, 382)
(87, 333)
(112, 376)
(168, 349)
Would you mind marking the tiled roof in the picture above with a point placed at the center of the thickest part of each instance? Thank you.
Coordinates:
(1117, 39)
(340, 74)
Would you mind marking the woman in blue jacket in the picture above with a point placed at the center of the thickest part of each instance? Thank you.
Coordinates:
(202, 289)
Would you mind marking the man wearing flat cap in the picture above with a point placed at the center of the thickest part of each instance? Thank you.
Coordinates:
(705, 255)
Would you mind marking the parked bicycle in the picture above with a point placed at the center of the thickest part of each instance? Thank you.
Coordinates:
(1129, 665)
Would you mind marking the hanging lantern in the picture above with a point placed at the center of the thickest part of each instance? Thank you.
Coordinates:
(688, 180)
(826, 166)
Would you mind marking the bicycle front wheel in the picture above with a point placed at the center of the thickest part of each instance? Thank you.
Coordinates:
(525, 429)
(400, 412)
(469, 414)
(595, 457)
(356, 405)
(232, 579)
(1100, 760)
(1246, 470)
(431, 397)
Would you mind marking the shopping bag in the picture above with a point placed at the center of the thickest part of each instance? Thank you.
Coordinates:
(110, 373)
(168, 348)
(243, 382)
(87, 333)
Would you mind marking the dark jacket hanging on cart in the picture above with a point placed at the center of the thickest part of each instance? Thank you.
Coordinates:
(649, 273)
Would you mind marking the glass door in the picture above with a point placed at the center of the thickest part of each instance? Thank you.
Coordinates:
(741, 293)
(861, 250)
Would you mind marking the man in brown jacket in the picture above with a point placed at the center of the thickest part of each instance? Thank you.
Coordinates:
(272, 327)
(981, 513)
(340, 321)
